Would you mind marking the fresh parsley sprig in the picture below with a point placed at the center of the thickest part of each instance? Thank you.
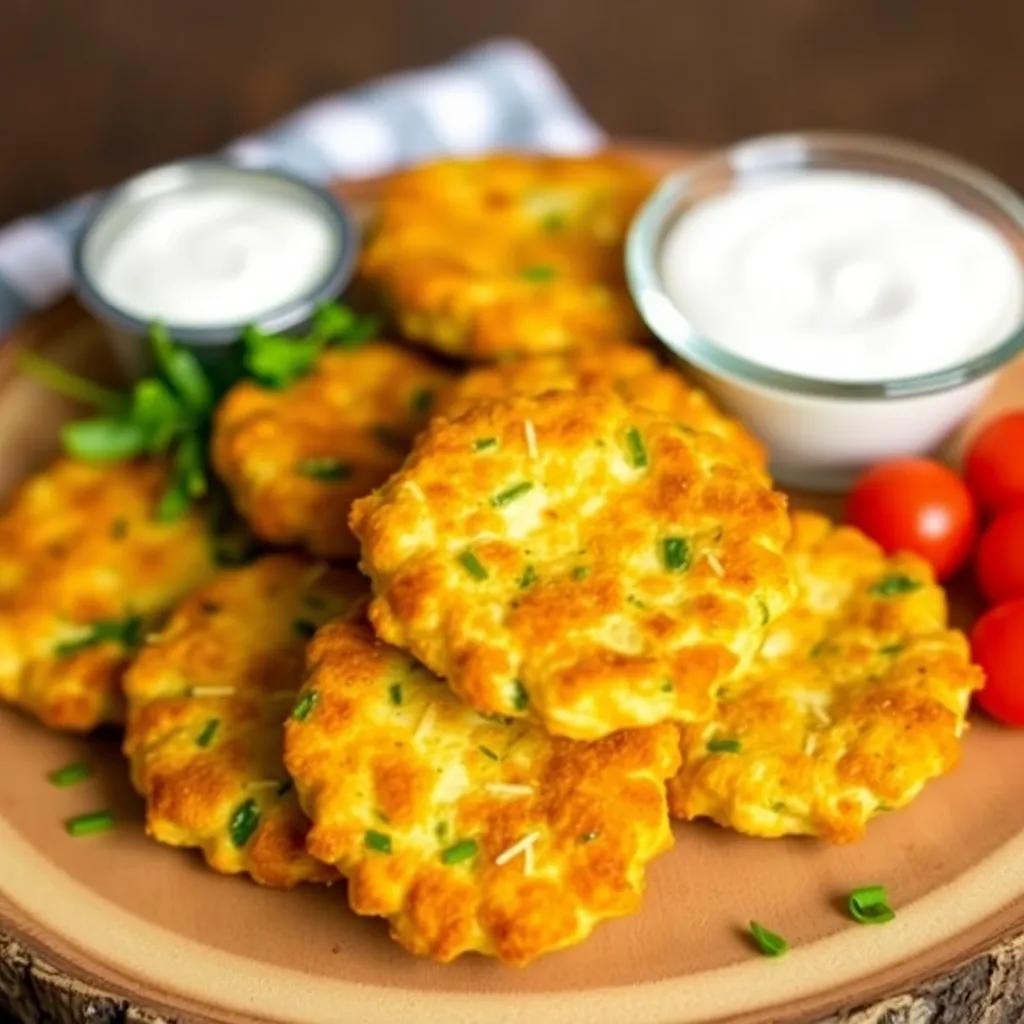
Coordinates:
(170, 413)
(277, 361)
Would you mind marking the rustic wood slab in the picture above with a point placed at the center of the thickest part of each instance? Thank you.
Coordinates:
(117, 928)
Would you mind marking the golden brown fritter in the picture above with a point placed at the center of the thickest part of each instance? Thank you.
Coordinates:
(206, 700)
(857, 698)
(633, 372)
(294, 459)
(503, 255)
(85, 572)
(567, 555)
(469, 833)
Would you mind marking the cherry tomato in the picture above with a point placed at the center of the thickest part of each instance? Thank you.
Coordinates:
(1000, 558)
(994, 466)
(997, 642)
(916, 505)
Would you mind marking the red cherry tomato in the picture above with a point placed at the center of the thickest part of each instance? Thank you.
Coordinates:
(997, 642)
(1000, 558)
(916, 505)
(994, 466)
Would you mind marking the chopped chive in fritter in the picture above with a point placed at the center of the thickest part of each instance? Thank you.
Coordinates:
(588, 837)
(325, 468)
(304, 707)
(379, 841)
(206, 734)
(675, 553)
(460, 851)
(539, 272)
(520, 698)
(487, 752)
(483, 444)
(528, 578)
(510, 494)
(892, 586)
(637, 451)
(581, 572)
(724, 746)
(245, 819)
(395, 693)
(472, 565)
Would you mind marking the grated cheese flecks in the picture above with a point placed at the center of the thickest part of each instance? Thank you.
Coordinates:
(211, 691)
(508, 789)
(521, 846)
(530, 433)
(426, 722)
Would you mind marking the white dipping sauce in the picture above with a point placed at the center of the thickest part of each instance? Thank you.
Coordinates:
(843, 276)
(217, 252)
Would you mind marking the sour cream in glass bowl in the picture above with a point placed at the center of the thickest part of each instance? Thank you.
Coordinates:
(206, 248)
(849, 297)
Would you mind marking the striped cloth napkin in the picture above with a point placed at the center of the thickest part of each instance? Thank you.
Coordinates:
(499, 95)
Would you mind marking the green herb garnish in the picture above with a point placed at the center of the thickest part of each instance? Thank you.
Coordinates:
(487, 752)
(581, 572)
(892, 586)
(126, 632)
(69, 774)
(379, 841)
(870, 905)
(205, 737)
(170, 413)
(305, 704)
(539, 272)
(277, 361)
(482, 444)
(395, 693)
(675, 553)
(892, 649)
(89, 824)
(507, 496)
(460, 851)
(724, 746)
(768, 942)
(472, 565)
(244, 821)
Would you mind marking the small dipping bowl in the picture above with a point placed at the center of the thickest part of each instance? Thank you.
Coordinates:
(208, 248)
(821, 432)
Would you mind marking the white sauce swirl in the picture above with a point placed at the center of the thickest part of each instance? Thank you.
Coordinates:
(843, 276)
(215, 253)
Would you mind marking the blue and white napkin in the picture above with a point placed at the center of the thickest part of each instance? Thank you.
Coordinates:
(499, 95)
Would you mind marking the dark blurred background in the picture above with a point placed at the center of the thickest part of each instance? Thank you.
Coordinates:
(96, 89)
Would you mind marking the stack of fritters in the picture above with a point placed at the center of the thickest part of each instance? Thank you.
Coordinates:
(581, 604)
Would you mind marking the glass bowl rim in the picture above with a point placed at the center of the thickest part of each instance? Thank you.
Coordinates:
(794, 151)
(163, 180)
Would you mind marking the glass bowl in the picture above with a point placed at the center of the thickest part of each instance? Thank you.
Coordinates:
(210, 341)
(822, 432)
